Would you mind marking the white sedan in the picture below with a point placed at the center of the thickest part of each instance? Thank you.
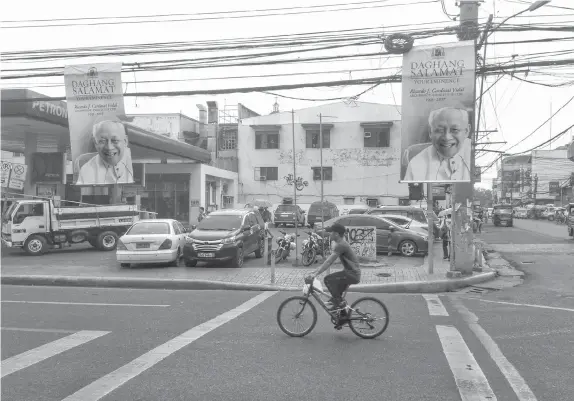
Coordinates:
(152, 241)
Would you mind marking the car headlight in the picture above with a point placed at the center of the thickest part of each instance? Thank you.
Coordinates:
(229, 240)
(189, 240)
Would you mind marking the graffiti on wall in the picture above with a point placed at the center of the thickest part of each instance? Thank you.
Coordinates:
(365, 157)
(298, 182)
(363, 240)
(286, 157)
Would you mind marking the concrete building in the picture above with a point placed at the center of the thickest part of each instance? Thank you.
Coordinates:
(553, 170)
(361, 155)
(513, 181)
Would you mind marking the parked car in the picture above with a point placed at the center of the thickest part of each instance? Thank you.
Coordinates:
(410, 212)
(404, 241)
(407, 223)
(356, 209)
(520, 213)
(314, 215)
(289, 214)
(548, 213)
(502, 214)
(152, 241)
(226, 236)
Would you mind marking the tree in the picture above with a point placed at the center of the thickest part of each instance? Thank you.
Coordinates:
(484, 196)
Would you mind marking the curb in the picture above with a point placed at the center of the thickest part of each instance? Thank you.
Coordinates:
(183, 284)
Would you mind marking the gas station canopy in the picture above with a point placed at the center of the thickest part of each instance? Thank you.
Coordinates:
(24, 114)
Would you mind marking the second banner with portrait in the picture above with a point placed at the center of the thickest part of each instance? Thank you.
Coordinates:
(98, 135)
(437, 113)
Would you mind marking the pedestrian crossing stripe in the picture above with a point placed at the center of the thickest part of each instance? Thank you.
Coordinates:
(33, 356)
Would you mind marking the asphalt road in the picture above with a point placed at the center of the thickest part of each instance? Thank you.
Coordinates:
(121, 344)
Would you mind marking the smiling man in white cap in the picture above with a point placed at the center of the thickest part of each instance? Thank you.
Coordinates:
(111, 165)
(448, 158)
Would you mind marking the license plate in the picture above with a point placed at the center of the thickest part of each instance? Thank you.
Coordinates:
(142, 245)
(206, 255)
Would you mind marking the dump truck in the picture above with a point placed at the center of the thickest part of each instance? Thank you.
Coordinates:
(39, 225)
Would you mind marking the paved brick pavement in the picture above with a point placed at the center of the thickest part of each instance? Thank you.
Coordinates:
(86, 262)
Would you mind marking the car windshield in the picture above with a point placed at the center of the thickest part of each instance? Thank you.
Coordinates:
(149, 228)
(286, 208)
(419, 216)
(223, 222)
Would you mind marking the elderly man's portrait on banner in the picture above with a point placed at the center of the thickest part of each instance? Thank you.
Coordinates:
(110, 163)
(437, 113)
(447, 156)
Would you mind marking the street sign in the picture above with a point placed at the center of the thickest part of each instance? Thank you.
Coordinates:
(553, 188)
(17, 176)
(6, 168)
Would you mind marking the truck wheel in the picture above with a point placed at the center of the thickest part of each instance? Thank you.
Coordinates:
(107, 241)
(35, 245)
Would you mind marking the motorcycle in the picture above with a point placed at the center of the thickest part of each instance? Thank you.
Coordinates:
(313, 246)
(286, 244)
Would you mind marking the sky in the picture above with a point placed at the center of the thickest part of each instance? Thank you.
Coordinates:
(512, 107)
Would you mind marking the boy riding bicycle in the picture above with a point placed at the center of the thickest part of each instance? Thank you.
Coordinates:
(337, 283)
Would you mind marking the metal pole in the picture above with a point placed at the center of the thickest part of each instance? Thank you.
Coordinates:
(296, 261)
(321, 157)
(452, 228)
(431, 229)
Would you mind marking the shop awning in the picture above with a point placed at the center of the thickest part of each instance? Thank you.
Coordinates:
(147, 145)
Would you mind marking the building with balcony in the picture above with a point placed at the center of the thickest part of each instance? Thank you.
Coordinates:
(360, 153)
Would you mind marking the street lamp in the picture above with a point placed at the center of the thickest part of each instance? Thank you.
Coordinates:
(534, 6)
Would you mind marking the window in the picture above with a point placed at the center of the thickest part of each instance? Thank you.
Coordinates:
(148, 228)
(266, 140)
(270, 173)
(180, 226)
(327, 173)
(377, 137)
(349, 201)
(228, 139)
(372, 202)
(313, 138)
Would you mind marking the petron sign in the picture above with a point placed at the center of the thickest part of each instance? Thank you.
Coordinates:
(27, 103)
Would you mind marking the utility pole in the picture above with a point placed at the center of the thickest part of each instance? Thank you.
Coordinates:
(296, 261)
(535, 188)
(321, 157)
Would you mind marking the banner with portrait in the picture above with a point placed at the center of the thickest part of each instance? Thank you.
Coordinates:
(98, 137)
(437, 113)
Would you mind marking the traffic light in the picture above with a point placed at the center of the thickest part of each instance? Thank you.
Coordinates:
(416, 192)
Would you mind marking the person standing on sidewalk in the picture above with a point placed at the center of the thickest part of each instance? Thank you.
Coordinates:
(445, 226)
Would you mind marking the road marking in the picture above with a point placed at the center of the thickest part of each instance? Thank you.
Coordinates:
(108, 383)
(529, 305)
(518, 384)
(534, 334)
(80, 303)
(470, 380)
(38, 330)
(46, 351)
(436, 308)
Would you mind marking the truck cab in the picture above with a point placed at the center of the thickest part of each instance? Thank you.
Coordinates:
(23, 218)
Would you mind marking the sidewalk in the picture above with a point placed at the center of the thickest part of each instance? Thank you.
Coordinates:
(388, 274)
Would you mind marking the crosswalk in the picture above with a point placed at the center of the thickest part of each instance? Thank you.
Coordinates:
(471, 381)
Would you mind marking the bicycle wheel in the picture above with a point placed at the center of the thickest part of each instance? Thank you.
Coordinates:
(296, 310)
(371, 314)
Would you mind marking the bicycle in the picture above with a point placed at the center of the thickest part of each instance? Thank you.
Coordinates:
(351, 315)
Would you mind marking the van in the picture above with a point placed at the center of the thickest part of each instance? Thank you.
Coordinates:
(330, 210)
